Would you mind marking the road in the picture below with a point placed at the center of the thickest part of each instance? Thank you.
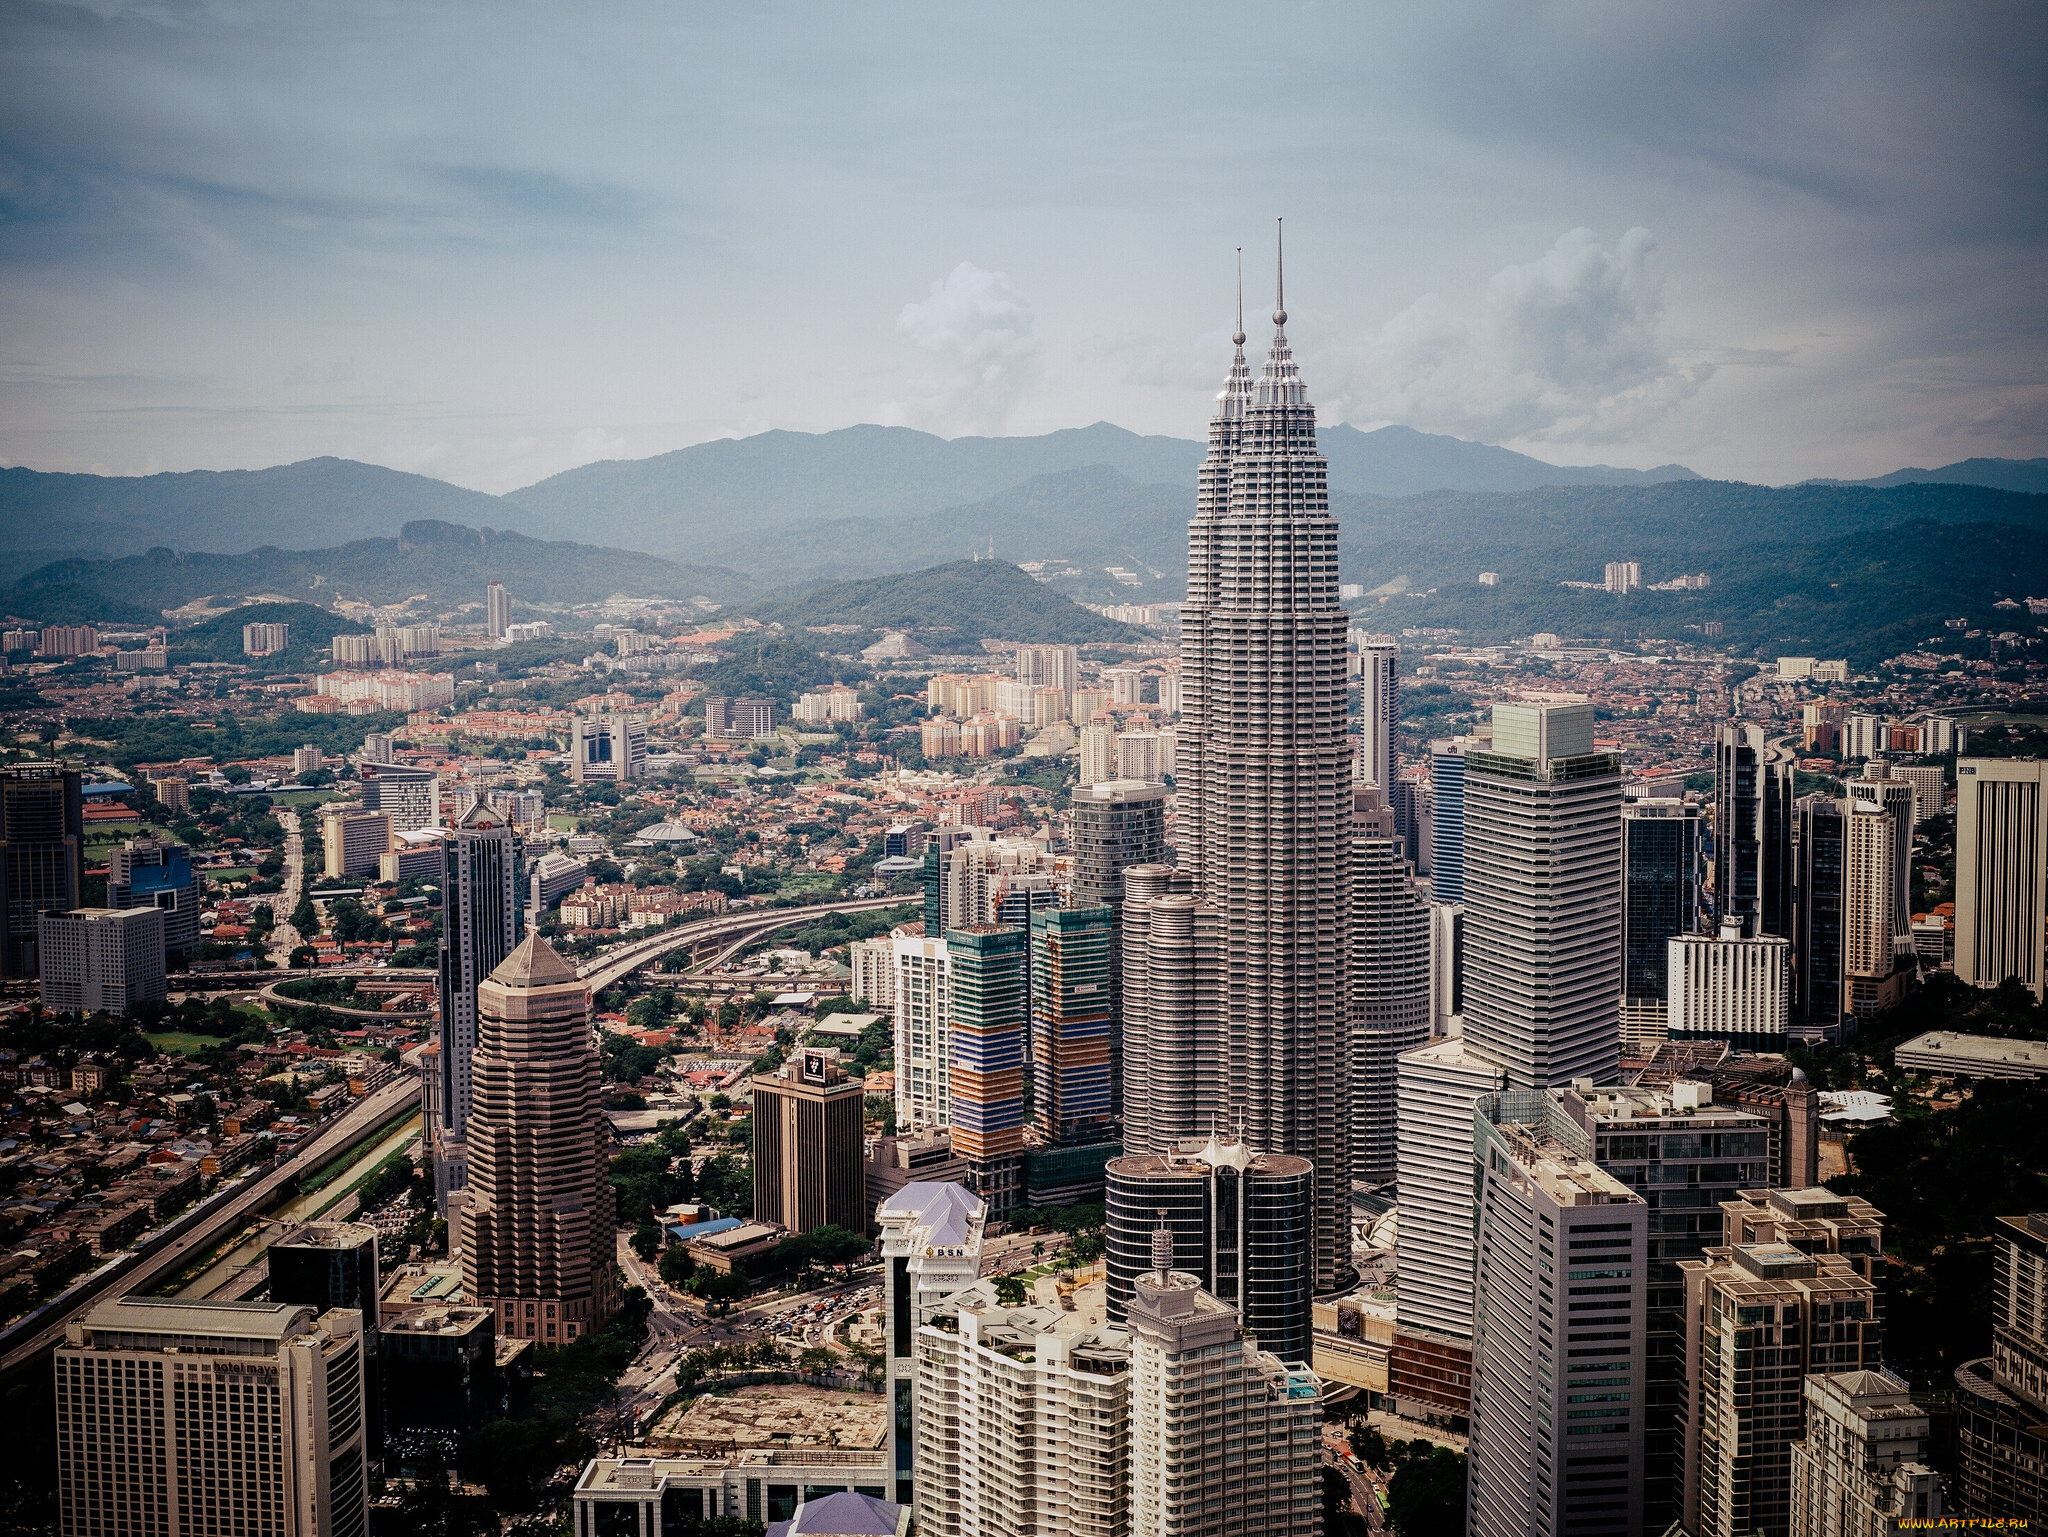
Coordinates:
(195, 1232)
(742, 928)
(283, 937)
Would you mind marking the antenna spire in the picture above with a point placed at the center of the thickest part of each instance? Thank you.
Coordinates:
(1238, 338)
(1279, 273)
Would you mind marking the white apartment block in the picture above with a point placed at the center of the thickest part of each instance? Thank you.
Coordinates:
(1225, 1438)
(1098, 751)
(100, 960)
(931, 1248)
(265, 639)
(924, 1089)
(829, 705)
(1728, 987)
(1138, 757)
(2001, 870)
(1380, 711)
(1023, 1423)
(1561, 1285)
(212, 1417)
(1169, 692)
(353, 842)
(873, 963)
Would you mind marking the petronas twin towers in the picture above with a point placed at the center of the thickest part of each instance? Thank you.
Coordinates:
(1248, 1034)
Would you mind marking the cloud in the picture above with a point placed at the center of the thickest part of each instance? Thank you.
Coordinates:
(980, 354)
(1569, 348)
(593, 443)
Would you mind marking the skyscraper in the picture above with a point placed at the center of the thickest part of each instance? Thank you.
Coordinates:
(1661, 850)
(1447, 821)
(1071, 999)
(931, 1248)
(479, 927)
(607, 748)
(537, 1234)
(2001, 870)
(1872, 977)
(2001, 1396)
(1175, 1075)
(807, 1145)
(990, 1002)
(1557, 1338)
(1264, 768)
(1752, 830)
(1817, 940)
(1543, 967)
(1380, 710)
(1117, 824)
(1896, 798)
(42, 855)
(1389, 993)
(329, 1265)
(497, 610)
(409, 796)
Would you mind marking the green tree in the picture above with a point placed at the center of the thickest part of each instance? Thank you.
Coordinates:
(646, 1241)
(1426, 1495)
(676, 1265)
(1011, 1291)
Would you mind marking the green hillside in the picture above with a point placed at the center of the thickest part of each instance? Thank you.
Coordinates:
(309, 505)
(219, 639)
(956, 605)
(451, 564)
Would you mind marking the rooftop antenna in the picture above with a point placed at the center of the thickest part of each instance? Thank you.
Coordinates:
(1238, 336)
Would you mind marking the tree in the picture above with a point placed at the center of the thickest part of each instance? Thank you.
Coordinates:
(1426, 1495)
(1010, 1291)
(646, 1241)
(721, 1289)
(817, 1360)
(676, 1265)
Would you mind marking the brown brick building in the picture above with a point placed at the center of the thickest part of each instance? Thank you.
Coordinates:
(808, 1167)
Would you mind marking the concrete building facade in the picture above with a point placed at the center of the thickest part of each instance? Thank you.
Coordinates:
(2001, 871)
(1726, 987)
(479, 928)
(1388, 1000)
(808, 1146)
(1861, 1470)
(100, 959)
(931, 1248)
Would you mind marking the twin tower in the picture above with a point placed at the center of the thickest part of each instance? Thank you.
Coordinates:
(1234, 962)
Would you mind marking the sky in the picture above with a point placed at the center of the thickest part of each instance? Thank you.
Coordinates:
(489, 242)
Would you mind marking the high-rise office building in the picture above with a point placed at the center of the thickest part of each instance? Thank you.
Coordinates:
(1264, 769)
(1242, 1223)
(808, 1154)
(607, 748)
(1728, 987)
(1254, 1467)
(537, 1239)
(352, 842)
(155, 872)
(1557, 1328)
(1862, 1469)
(2002, 1398)
(222, 1417)
(330, 1265)
(1430, 1367)
(1379, 666)
(1116, 824)
(410, 796)
(2001, 870)
(1872, 948)
(100, 960)
(1752, 830)
(479, 927)
(931, 1248)
(1388, 998)
(1661, 858)
(1787, 1294)
(990, 1004)
(1817, 935)
(1447, 821)
(497, 610)
(1072, 952)
(42, 855)
(1543, 896)
(1684, 1149)
(742, 719)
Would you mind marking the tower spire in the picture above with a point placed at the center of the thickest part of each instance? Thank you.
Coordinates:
(1238, 336)
(1279, 272)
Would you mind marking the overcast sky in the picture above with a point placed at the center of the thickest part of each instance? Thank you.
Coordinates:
(491, 241)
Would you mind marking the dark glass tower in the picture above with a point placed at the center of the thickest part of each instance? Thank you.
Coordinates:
(479, 928)
(1753, 816)
(1817, 949)
(1662, 854)
(42, 859)
(1241, 1221)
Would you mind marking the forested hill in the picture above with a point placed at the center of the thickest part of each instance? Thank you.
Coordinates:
(950, 606)
(450, 564)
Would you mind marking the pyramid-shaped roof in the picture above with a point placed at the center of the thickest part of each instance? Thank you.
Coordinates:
(534, 964)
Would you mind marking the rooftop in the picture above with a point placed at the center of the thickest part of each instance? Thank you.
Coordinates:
(776, 1417)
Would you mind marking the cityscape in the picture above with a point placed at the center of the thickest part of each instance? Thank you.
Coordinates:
(1324, 975)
